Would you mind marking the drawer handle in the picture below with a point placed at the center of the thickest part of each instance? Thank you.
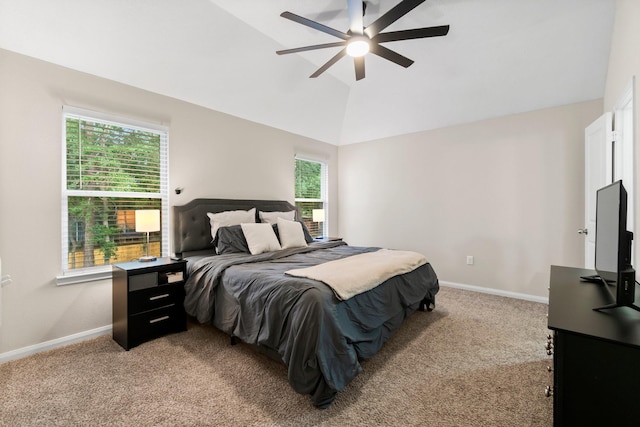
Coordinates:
(159, 319)
(158, 297)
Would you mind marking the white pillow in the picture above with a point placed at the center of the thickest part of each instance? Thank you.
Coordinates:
(271, 217)
(290, 233)
(229, 218)
(260, 238)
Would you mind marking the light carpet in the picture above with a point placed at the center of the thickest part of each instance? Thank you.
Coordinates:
(477, 360)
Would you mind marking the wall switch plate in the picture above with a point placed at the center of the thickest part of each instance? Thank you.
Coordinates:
(469, 259)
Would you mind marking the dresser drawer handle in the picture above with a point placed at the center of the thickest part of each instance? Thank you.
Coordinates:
(548, 391)
(158, 297)
(159, 319)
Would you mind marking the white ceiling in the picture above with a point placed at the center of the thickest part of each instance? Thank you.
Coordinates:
(500, 57)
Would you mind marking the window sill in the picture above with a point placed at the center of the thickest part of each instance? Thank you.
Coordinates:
(82, 276)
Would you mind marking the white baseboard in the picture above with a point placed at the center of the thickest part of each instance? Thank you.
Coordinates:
(58, 342)
(498, 292)
(81, 336)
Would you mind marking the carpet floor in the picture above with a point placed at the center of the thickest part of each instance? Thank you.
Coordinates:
(477, 360)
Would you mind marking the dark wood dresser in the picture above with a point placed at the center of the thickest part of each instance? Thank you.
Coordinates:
(596, 355)
(148, 300)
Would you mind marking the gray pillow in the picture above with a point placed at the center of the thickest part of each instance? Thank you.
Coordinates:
(231, 240)
(305, 230)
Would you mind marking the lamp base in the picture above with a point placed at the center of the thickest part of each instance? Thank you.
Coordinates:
(147, 258)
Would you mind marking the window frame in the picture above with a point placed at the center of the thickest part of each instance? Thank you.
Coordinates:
(86, 274)
(324, 190)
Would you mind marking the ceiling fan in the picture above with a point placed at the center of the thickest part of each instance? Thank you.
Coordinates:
(359, 40)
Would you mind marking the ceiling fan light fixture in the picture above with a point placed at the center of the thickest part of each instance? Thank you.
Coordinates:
(358, 46)
(359, 40)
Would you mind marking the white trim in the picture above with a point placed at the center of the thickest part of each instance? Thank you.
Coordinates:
(492, 291)
(303, 200)
(318, 158)
(58, 342)
(71, 277)
(624, 129)
(324, 190)
(123, 194)
(107, 118)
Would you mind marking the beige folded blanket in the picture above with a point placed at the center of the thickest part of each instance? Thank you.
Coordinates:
(359, 273)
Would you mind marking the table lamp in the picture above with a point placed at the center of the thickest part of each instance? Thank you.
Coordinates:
(317, 215)
(147, 221)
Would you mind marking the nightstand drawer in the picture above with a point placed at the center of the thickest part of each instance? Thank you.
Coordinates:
(155, 278)
(155, 323)
(156, 297)
(143, 281)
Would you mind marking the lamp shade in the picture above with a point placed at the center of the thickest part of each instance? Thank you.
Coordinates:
(318, 215)
(147, 220)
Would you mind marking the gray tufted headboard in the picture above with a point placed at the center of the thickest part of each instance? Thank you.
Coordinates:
(191, 228)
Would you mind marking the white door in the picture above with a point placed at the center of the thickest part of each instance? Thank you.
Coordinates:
(598, 154)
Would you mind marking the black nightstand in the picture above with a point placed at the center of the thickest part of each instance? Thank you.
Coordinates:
(328, 239)
(148, 300)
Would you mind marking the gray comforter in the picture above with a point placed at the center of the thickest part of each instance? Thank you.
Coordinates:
(300, 321)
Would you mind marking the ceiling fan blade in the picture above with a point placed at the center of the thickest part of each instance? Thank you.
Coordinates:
(315, 25)
(329, 63)
(390, 55)
(359, 64)
(306, 48)
(356, 24)
(395, 13)
(416, 33)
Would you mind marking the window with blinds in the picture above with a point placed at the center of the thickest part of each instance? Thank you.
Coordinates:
(311, 194)
(113, 167)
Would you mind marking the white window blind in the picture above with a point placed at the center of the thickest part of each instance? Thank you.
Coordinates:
(112, 167)
(311, 184)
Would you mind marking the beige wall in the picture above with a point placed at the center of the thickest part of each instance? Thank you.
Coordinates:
(507, 191)
(211, 155)
(624, 63)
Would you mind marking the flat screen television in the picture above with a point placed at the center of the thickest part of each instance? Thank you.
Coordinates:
(613, 246)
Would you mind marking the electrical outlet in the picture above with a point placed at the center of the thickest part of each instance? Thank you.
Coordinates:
(469, 259)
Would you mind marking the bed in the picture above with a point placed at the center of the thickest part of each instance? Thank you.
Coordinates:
(320, 335)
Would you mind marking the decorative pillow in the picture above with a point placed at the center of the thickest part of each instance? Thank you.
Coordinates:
(260, 238)
(271, 217)
(228, 218)
(231, 240)
(290, 234)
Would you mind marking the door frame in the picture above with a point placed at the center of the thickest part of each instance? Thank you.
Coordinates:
(617, 159)
(624, 135)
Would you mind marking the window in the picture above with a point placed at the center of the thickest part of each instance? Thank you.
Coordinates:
(112, 167)
(311, 193)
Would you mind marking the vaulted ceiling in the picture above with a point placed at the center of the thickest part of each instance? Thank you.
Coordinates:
(500, 57)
